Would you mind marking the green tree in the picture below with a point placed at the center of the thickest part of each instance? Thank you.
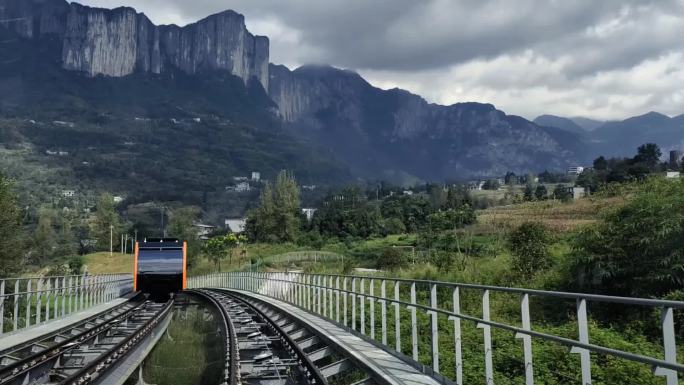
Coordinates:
(491, 184)
(217, 248)
(589, 179)
(278, 217)
(561, 193)
(528, 194)
(106, 222)
(391, 258)
(541, 193)
(529, 246)
(638, 249)
(600, 164)
(11, 242)
(45, 236)
(649, 154)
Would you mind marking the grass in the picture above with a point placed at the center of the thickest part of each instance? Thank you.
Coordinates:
(557, 216)
(104, 263)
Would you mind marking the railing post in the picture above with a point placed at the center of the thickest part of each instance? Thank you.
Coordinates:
(526, 338)
(583, 326)
(28, 303)
(55, 302)
(64, 283)
(383, 311)
(82, 288)
(322, 303)
(71, 294)
(414, 322)
(362, 304)
(17, 299)
(670, 347)
(397, 317)
(344, 300)
(434, 327)
(371, 308)
(353, 297)
(458, 354)
(337, 299)
(39, 300)
(487, 331)
(2, 307)
(48, 291)
(331, 293)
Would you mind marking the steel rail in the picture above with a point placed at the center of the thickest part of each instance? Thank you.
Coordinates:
(313, 374)
(65, 330)
(9, 374)
(231, 374)
(92, 370)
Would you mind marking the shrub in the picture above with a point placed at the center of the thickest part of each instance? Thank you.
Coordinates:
(529, 245)
(391, 259)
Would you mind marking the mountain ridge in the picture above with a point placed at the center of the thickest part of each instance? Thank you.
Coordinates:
(372, 131)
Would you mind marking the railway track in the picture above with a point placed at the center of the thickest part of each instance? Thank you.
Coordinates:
(80, 353)
(265, 346)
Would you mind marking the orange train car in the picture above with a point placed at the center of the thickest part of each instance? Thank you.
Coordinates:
(160, 266)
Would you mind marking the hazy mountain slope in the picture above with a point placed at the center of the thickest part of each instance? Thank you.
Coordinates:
(379, 131)
(588, 124)
(560, 122)
(623, 137)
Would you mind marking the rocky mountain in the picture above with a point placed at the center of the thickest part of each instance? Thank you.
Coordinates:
(394, 132)
(66, 61)
(120, 42)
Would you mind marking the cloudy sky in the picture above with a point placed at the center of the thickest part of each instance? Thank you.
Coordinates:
(605, 59)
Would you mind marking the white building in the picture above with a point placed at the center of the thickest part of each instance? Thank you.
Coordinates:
(575, 170)
(256, 176)
(309, 213)
(68, 193)
(236, 225)
(577, 192)
(243, 187)
(118, 199)
(203, 231)
(408, 192)
(672, 174)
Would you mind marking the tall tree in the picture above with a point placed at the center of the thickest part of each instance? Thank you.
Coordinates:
(11, 242)
(106, 223)
(278, 217)
(649, 154)
(45, 237)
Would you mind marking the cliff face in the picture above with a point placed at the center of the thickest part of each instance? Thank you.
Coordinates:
(121, 41)
(394, 131)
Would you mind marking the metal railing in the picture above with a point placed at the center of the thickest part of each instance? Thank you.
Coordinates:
(345, 300)
(26, 302)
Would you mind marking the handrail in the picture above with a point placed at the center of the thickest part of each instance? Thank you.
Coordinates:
(322, 293)
(28, 301)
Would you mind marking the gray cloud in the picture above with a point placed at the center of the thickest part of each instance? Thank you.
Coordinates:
(526, 56)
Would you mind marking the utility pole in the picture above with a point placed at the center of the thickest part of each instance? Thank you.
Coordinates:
(122, 244)
(111, 240)
(162, 222)
(136, 235)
